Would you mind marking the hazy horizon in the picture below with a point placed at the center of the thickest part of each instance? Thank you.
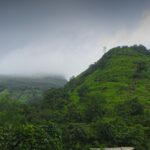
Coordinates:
(63, 37)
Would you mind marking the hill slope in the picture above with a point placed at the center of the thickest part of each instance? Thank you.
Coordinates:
(111, 99)
(121, 74)
(108, 105)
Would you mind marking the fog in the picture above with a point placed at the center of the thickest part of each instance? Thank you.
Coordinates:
(65, 37)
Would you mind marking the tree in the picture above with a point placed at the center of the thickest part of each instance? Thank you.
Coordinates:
(130, 108)
(94, 107)
(115, 132)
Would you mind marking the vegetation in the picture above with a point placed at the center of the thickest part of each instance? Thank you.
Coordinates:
(108, 105)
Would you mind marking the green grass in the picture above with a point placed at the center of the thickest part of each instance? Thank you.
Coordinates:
(115, 79)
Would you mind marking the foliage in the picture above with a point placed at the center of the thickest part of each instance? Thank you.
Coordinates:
(28, 137)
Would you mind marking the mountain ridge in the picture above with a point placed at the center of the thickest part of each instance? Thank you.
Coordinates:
(121, 68)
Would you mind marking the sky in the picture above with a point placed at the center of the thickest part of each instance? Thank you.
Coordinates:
(63, 37)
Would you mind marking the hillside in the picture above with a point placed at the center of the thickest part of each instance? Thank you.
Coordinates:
(112, 96)
(122, 73)
(108, 105)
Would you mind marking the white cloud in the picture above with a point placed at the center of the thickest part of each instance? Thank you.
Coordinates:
(71, 53)
(140, 34)
(61, 57)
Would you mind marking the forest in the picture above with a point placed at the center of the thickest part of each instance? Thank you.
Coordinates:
(107, 105)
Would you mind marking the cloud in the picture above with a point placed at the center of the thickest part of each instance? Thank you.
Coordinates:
(140, 34)
(70, 51)
(62, 56)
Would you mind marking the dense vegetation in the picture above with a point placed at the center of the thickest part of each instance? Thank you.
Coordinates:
(107, 105)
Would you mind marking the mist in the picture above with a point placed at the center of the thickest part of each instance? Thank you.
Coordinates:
(65, 37)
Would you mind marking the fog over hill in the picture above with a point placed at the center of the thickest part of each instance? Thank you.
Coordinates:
(64, 37)
(34, 82)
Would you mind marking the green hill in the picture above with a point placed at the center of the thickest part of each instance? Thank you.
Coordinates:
(122, 73)
(112, 98)
(108, 105)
